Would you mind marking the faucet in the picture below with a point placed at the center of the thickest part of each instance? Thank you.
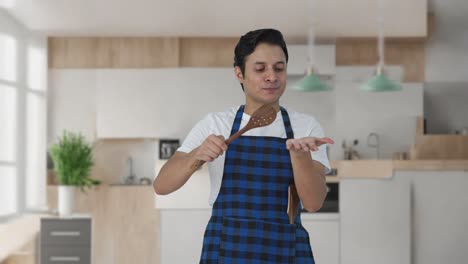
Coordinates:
(130, 179)
(375, 144)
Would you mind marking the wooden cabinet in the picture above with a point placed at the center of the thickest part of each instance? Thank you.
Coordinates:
(438, 147)
(65, 240)
(125, 222)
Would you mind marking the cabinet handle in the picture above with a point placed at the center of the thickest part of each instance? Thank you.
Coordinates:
(65, 233)
(64, 258)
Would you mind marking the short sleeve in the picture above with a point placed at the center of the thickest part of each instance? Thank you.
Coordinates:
(196, 136)
(320, 155)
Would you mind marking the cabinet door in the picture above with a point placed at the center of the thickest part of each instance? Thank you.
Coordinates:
(375, 221)
(182, 235)
(324, 239)
(160, 103)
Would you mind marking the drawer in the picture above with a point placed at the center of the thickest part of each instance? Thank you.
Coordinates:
(65, 232)
(65, 255)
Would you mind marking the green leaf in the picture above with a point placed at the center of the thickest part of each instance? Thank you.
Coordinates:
(73, 160)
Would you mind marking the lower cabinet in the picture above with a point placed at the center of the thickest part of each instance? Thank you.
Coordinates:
(324, 234)
(182, 235)
(65, 240)
(375, 223)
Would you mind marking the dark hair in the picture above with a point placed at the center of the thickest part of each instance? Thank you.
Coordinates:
(248, 42)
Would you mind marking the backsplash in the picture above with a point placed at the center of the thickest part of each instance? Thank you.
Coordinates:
(111, 159)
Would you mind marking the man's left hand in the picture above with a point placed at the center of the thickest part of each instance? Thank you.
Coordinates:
(307, 143)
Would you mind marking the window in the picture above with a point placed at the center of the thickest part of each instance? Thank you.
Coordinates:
(35, 151)
(23, 93)
(8, 183)
(8, 61)
(8, 126)
(35, 126)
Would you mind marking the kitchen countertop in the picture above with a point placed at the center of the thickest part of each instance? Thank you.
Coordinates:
(320, 216)
(386, 168)
(194, 194)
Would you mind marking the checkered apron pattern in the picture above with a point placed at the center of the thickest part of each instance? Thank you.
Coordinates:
(249, 223)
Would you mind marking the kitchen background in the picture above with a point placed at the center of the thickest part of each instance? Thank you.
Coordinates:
(127, 91)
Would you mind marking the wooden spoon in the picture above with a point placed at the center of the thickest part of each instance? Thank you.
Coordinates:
(263, 116)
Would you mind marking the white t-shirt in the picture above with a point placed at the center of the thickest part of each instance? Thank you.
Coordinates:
(220, 123)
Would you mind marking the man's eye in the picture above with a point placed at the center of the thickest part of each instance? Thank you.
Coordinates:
(259, 69)
(279, 69)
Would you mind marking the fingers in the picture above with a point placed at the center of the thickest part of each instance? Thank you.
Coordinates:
(307, 143)
(211, 148)
(325, 140)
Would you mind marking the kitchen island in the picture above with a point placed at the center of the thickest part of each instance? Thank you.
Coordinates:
(409, 211)
(412, 211)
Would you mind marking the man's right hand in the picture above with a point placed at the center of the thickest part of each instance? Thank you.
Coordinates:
(172, 175)
(213, 147)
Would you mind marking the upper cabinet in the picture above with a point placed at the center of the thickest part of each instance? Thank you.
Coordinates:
(158, 103)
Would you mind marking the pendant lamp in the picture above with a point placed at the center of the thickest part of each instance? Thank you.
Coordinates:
(380, 82)
(311, 82)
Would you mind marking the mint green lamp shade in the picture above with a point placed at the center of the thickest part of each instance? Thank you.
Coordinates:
(311, 83)
(380, 83)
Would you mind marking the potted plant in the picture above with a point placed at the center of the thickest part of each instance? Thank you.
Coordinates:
(73, 160)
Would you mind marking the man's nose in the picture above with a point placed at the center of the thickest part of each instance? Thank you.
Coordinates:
(271, 76)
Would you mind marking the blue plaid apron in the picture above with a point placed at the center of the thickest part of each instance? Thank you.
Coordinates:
(249, 223)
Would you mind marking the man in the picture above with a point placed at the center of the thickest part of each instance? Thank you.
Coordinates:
(250, 178)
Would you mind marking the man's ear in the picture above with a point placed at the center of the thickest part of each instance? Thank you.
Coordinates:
(238, 73)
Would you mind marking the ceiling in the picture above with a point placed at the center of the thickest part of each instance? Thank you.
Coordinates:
(218, 18)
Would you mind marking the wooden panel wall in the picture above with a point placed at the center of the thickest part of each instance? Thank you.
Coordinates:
(410, 53)
(207, 52)
(154, 52)
(97, 52)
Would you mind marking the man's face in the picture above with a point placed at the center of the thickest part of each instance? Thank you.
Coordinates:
(265, 75)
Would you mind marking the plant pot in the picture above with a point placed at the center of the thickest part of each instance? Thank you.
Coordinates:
(66, 200)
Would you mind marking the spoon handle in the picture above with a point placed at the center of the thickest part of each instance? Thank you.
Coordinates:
(237, 134)
(197, 164)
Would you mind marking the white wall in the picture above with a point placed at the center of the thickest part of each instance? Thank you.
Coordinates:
(391, 115)
(345, 113)
(445, 107)
(446, 68)
(446, 52)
